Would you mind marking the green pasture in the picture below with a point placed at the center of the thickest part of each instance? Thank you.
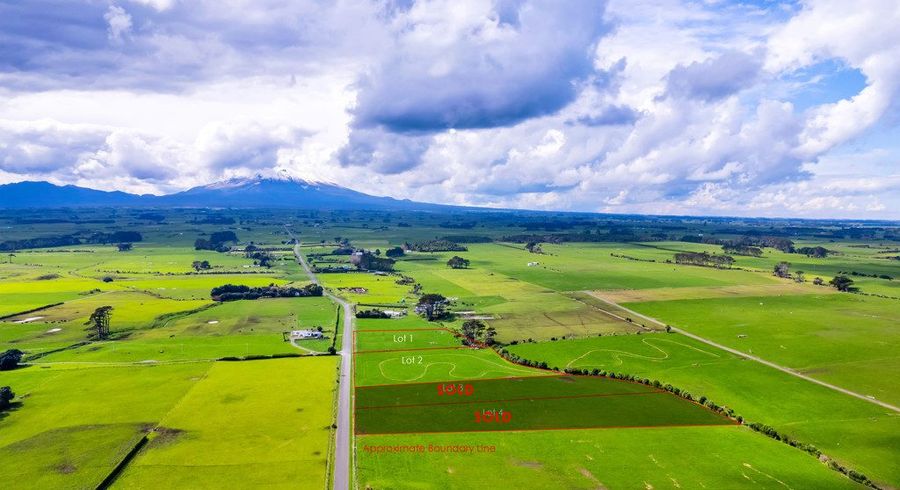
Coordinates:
(257, 424)
(846, 339)
(583, 266)
(194, 286)
(379, 289)
(848, 259)
(853, 431)
(236, 328)
(674, 457)
(517, 309)
(74, 425)
(380, 368)
(402, 340)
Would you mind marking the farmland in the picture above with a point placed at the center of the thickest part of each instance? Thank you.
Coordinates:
(177, 364)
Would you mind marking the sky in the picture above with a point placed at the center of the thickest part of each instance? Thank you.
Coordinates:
(705, 107)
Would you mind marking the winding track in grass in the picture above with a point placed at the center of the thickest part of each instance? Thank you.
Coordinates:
(617, 353)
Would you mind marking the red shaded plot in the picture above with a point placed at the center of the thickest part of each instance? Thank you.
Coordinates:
(516, 404)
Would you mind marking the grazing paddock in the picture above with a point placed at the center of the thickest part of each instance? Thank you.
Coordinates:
(260, 423)
(380, 368)
(843, 427)
(845, 339)
(69, 433)
(667, 294)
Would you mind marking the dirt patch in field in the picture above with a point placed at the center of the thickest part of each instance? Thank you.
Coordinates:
(166, 435)
(64, 468)
(530, 464)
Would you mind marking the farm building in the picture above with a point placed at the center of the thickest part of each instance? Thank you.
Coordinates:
(306, 334)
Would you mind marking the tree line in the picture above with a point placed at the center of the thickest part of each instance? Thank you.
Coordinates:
(232, 292)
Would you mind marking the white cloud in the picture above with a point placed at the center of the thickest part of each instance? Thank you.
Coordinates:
(119, 23)
(660, 106)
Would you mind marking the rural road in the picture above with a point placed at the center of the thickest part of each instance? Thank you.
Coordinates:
(751, 357)
(343, 442)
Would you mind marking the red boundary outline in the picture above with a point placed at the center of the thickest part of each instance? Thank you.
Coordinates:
(552, 373)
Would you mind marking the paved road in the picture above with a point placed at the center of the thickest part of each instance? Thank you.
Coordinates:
(343, 442)
(752, 357)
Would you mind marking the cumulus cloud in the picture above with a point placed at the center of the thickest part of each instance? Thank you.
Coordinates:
(119, 23)
(659, 106)
(474, 65)
(714, 78)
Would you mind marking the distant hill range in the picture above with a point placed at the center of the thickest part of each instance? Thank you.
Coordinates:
(254, 192)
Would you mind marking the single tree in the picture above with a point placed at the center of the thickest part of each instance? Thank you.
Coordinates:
(99, 321)
(124, 247)
(6, 396)
(10, 359)
(199, 265)
(457, 262)
(432, 306)
(489, 335)
(534, 247)
(473, 329)
(843, 283)
(782, 269)
(799, 277)
(9, 260)
(818, 281)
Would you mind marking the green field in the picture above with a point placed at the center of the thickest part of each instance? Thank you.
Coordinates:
(69, 433)
(849, 340)
(678, 457)
(272, 429)
(843, 427)
(170, 370)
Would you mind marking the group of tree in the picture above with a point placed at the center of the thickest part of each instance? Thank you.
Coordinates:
(394, 252)
(843, 283)
(99, 322)
(10, 359)
(782, 269)
(373, 313)
(704, 259)
(534, 247)
(260, 257)
(817, 252)
(116, 237)
(125, 247)
(42, 242)
(457, 262)
(217, 241)
(475, 332)
(201, 265)
(343, 251)
(468, 238)
(438, 245)
(367, 261)
(432, 306)
(232, 292)
(742, 250)
(6, 397)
